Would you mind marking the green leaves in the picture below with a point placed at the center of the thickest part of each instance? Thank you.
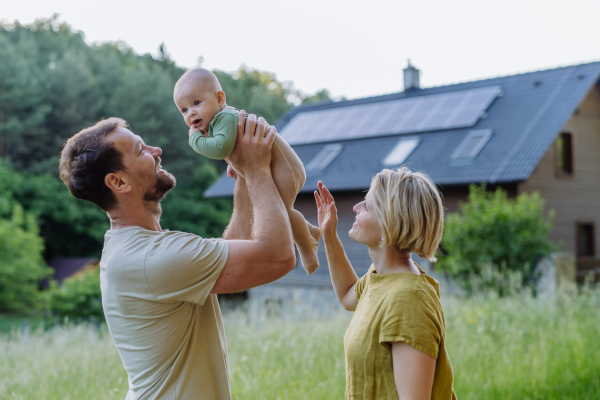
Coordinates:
(21, 262)
(79, 297)
(494, 237)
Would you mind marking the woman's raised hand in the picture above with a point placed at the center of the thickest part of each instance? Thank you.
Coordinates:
(327, 211)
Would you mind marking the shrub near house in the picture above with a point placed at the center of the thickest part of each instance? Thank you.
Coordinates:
(78, 298)
(495, 241)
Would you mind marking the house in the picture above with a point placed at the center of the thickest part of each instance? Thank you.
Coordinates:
(537, 131)
(71, 266)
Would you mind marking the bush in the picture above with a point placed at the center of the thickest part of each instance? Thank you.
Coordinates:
(78, 298)
(495, 241)
(21, 264)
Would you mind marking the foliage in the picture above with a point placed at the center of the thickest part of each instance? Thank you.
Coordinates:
(322, 95)
(188, 212)
(52, 84)
(501, 348)
(21, 262)
(256, 92)
(78, 298)
(494, 238)
(71, 227)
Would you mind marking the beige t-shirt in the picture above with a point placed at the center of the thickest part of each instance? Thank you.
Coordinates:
(396, 307)
(161, 315)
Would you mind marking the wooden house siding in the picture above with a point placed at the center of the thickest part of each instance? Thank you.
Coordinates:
(576, 198)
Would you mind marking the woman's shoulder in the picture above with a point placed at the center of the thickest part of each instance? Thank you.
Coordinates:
(412, 290)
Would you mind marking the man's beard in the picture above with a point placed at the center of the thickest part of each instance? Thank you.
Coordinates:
(164, 183)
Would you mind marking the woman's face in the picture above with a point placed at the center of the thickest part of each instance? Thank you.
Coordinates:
(366, 228)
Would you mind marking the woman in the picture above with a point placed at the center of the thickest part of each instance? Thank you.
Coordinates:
(396, 342)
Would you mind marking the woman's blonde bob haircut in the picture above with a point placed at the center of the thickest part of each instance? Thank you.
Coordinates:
(409, 209)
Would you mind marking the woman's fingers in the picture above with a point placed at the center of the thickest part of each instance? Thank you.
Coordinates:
(318, 199)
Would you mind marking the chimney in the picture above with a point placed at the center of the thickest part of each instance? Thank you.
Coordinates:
(411, 77)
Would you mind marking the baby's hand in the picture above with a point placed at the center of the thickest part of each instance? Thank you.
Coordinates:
(194, 130)
(231, 173)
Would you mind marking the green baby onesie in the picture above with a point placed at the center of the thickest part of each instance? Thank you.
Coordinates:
(222, 134)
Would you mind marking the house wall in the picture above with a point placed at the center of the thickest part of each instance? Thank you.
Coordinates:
(574, 198)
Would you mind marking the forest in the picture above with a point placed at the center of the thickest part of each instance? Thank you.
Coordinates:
(53, 84)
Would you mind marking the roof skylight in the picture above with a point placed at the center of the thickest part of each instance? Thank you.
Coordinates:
(471, 145)
(401, 152)
(324, 157)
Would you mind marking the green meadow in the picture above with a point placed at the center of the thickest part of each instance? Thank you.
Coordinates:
(501, 348)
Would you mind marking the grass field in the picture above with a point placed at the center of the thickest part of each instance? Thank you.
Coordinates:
(516, 348)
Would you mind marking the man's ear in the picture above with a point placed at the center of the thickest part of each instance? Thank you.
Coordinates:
(221, 98)
(117, 183)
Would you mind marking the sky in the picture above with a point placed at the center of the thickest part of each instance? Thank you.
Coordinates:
(352, 48)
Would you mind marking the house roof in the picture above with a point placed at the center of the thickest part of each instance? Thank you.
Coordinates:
(69, 266)
(524, 120)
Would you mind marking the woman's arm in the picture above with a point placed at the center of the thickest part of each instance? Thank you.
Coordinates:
(413, 372)
(342, 274)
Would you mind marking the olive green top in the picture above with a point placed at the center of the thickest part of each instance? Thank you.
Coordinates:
(396, 307)
(222, 134)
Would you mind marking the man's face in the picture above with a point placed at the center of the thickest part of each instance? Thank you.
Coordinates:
(142, 163)
(197, 103)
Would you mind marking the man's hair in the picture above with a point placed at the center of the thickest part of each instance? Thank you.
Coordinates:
(86, 160)
(409, 209)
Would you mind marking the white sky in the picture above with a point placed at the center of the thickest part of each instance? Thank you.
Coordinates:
(353, 48)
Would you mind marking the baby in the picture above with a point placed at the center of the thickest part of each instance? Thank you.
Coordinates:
(213, 133)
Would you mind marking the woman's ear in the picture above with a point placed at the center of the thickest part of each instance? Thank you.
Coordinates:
(221, 98)
(117, 183)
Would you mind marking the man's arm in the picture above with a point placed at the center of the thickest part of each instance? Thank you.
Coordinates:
(270, 254)
(242, 218)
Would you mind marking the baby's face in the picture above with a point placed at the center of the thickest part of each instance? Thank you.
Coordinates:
(198, 104)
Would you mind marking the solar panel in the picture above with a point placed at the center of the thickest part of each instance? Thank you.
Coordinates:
(453, 110)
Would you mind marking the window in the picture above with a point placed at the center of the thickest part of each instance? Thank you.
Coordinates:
(324, 157)
(401, 152)
(564, 154)
(585, 240)
(468, 149)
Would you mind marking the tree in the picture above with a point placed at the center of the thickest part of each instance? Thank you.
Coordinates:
(21, 264)
(494, 238)
(322, 95)
(256, 92)
(70, 227)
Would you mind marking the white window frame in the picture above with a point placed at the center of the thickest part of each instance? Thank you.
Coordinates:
(324, 157)
(399, 154)
(485, 135)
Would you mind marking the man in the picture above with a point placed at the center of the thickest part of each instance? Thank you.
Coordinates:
(159, 287)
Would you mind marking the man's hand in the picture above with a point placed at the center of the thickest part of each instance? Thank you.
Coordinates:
(252, 151)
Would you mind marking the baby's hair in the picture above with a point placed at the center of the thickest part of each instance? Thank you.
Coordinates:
(409, 208)
(207, 78)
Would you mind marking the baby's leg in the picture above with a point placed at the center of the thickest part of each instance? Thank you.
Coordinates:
(289, 176)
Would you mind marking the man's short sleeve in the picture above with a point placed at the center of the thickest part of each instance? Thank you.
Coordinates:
(410, 318)
(184, 267)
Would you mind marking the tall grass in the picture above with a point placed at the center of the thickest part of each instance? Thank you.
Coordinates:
(501, 348)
